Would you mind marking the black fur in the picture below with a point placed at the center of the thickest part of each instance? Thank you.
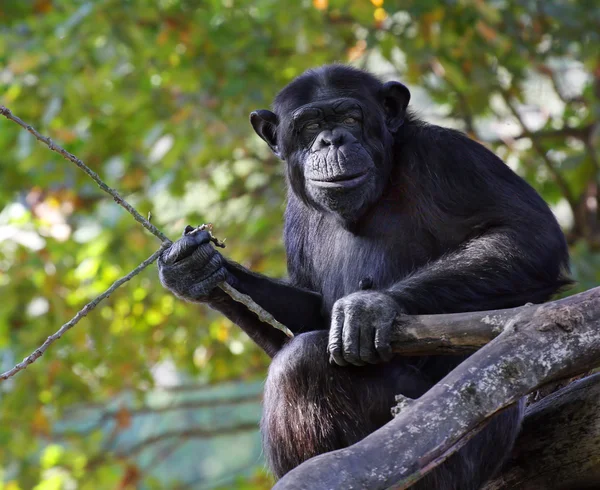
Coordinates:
(385, 215)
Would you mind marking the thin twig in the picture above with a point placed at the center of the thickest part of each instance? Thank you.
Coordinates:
(180, 434)
(36, 354)
(262, 314)
(580, 133)
(556, 175)
(190, 230)
(193, 433)
(589, 148)
(6, 112)
(551, 74)
(173, 406)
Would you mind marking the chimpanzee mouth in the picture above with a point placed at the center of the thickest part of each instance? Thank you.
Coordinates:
(339, 181)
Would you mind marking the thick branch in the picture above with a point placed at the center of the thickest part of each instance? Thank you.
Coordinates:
(552, 341)
(558, 444)
(456, 333)
(36, 354)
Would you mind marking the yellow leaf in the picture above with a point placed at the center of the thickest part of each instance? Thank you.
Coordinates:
(51, 456)
(380, 15)
(223, 333)
(321, 4)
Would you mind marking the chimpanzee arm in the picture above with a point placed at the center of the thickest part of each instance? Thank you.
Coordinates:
(192, 269)
(514, 251)
(298, 309)
(502, 267)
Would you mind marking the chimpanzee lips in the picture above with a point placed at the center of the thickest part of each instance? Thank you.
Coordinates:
(345, 180)
(343, 167)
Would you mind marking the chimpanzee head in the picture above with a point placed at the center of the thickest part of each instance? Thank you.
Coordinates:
(334, 126)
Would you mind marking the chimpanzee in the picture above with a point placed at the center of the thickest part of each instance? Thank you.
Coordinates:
(386, 215)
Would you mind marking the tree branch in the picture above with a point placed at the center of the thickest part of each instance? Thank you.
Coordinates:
(455, 333)
(222, 401)
(538, 344)
(578, 132)
(262, 314)
(192, 433)
(551, 74)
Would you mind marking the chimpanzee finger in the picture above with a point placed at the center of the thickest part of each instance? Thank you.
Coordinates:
(203, 254)
(203, 262)
(184, 247)
(383, 342)
(351, 337)
(204, 287)
(367, 351)
(334, 347)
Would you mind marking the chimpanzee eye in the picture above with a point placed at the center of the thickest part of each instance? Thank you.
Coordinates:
(312, 127)
(350, 121)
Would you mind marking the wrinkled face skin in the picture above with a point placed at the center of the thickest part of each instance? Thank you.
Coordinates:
(339, 172)
(337, 145)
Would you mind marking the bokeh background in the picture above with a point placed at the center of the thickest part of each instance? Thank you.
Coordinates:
(148, 392)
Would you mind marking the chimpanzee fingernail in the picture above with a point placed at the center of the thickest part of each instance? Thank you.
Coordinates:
(366, 283)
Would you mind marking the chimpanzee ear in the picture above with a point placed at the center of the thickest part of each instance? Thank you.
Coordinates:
(265, 124)
(395, 97)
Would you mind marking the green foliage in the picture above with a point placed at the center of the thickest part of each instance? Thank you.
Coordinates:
(155, 97)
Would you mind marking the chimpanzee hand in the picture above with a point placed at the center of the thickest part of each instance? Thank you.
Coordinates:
(191, 268)
(361, 327)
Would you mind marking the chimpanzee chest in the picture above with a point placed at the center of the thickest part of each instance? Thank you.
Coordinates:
(340, 259)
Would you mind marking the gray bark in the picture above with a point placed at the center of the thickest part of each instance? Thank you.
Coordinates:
(456, 333)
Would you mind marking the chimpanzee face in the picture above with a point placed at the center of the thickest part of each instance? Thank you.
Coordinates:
(336, 137)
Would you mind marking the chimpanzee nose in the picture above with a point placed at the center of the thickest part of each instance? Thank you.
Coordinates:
(335, 137)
